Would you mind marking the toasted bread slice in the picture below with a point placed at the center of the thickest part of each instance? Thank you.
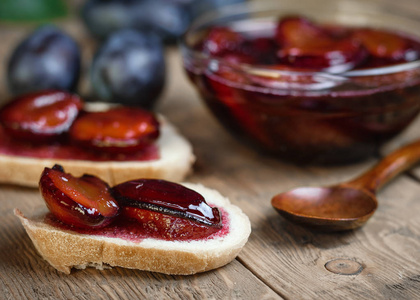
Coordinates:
(176, 159)
(65, 249)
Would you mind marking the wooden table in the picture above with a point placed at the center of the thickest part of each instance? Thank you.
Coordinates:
(280, 261)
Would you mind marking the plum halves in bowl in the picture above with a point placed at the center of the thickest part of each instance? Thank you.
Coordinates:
(320, 82)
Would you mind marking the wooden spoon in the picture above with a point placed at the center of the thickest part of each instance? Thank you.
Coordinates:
(347, 205)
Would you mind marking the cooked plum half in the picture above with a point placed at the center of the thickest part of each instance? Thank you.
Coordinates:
(117, 130)
(83, 202)
(386, 45)
(168, 227)
(222, 40)
(304, 44)
(299, 32)
(167, 209)
(40, 116)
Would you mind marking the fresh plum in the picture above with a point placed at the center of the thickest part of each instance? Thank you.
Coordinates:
(47, 59)
(199, 7)
(169, 19)
(129, 68)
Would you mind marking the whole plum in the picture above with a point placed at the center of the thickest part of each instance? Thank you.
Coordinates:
(129, 68)
(198, 7)
(47, 59)
(168, 18)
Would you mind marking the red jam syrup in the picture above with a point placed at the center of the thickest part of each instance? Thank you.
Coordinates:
(134, 210)
(134, 231)
(304, 110)
(64, 149)
(52, 124)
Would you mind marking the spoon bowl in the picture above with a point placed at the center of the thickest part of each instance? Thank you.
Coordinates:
(347, 205)
(334, 208)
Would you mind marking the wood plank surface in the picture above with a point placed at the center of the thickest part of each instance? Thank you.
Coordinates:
(280, 261)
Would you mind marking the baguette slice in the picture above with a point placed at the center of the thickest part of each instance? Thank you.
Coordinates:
(176, 159)
(65, 249)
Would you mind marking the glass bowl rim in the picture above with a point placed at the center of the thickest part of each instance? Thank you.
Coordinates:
(253, 6)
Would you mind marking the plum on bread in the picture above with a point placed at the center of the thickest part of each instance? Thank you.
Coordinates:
(115, 143)
(145, 224)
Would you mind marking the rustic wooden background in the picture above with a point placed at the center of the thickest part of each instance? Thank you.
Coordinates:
(280, 261)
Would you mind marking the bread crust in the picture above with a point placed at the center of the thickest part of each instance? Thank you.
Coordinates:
(176, 159)
(65, 249)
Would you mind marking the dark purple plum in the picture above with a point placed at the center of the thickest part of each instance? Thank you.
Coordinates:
(198, 7)
(168, 18)
(129, 68)
(47, 59)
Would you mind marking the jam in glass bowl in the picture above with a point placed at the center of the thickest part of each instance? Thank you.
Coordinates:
(319, 82)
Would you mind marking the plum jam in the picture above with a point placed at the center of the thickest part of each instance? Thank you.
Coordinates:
(64, 149)
(134, 210)
(132, 231)
(306, 91)
(53, 124)
(40, 116)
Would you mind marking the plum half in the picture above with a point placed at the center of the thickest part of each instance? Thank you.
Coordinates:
(117, 130)
(305, 44)
(40, 116)
(152, 207)
(82, 202)
(167, 210)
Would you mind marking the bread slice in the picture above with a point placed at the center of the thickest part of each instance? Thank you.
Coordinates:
(176, 159)
(66, 249)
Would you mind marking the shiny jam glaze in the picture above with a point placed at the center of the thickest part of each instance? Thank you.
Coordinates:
(133, 231)
(132, 210)
(64, 149)
(83, 202)
(117, 130)
(53, 124)
(40, 116)
(168, 227)
(166, 197)
(294, 103)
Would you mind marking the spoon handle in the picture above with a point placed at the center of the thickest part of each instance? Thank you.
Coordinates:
(392, 165)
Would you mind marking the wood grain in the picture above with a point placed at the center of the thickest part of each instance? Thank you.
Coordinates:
(280, 261)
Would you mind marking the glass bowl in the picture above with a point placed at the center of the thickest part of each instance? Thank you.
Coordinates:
(306, 116)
